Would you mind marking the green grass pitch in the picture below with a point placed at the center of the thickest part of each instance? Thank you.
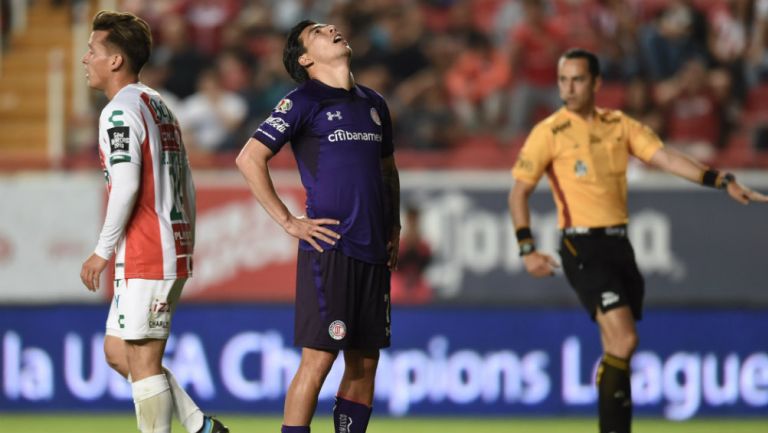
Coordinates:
(126, 423)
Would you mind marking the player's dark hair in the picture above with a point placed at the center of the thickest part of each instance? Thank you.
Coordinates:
(579, 53)
(294, 48)
(128, 33)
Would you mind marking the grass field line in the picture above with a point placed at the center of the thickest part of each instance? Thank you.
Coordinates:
(126, 423)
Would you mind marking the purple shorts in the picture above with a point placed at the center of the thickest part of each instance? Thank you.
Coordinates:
(341, 303)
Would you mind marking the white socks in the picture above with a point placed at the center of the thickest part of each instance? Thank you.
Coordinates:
(154, 404)
(184, 407)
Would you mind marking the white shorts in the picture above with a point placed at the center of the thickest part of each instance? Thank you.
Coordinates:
(143, 309)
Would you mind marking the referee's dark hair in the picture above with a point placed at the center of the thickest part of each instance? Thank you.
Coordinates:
(294, 48)
(590, 57)
(128, 33)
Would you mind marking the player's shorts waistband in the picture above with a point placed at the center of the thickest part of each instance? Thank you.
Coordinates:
(617, 231)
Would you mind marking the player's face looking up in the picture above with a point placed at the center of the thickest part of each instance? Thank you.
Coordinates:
(577, 86)
(98, 60)
(323, 44)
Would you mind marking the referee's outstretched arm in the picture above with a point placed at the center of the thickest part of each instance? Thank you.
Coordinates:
(679, 164)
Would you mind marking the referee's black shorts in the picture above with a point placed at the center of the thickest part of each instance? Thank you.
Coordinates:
(341, 303)
(601, 268)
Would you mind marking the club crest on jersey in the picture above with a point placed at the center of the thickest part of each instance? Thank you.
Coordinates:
(337, 330)
(580, 168)
(284, 106)
(375, 116)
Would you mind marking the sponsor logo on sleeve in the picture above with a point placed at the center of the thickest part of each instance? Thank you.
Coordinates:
(119, 143)
(277, 123)
(115, 118)
(284, 106)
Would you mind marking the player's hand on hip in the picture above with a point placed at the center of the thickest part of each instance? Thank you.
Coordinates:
(744, 195)
(540, 265)
(90, 273)
(311, 230)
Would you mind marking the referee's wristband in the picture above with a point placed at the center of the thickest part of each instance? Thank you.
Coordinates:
(525, 241)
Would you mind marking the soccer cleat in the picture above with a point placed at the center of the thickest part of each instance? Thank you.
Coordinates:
(212, 425)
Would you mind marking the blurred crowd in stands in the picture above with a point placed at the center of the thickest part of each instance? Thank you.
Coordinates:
(470, 77)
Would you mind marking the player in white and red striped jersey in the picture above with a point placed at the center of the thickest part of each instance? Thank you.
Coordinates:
(149, 225)
(139, 140)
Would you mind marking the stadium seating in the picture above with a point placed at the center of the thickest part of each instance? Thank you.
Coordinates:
(23, 88)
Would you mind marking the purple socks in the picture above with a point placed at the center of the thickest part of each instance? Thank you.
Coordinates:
(350, 417)
(294, 429)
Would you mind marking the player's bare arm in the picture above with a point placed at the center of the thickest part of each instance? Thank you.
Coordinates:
(391, 178)
(679, 164)
(536, 263)
(252, 163)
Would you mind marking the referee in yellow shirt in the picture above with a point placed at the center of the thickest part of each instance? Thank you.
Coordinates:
(584, 152)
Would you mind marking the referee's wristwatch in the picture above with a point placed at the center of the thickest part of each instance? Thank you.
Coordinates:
(526, 248)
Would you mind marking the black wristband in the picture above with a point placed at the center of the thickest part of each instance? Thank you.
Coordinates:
(525, 241)
(710, 178)
(524, 234)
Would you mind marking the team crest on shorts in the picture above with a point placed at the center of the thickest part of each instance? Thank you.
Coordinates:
(337, 330)
(375, 116)
(284, 106)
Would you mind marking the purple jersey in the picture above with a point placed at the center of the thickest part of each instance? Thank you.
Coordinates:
(339, 138)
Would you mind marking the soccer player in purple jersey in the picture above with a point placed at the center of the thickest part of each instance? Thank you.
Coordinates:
(341, 136)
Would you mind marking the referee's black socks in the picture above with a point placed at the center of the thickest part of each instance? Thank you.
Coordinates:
(615, 395)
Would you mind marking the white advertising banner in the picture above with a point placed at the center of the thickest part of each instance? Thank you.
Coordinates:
(689, 241)
(49, 224)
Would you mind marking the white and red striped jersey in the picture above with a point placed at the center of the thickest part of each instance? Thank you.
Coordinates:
(150, 220)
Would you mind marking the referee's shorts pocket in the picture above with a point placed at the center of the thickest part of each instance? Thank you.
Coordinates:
(571, 254)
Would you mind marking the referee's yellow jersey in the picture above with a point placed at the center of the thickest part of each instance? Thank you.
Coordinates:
(586, 163)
